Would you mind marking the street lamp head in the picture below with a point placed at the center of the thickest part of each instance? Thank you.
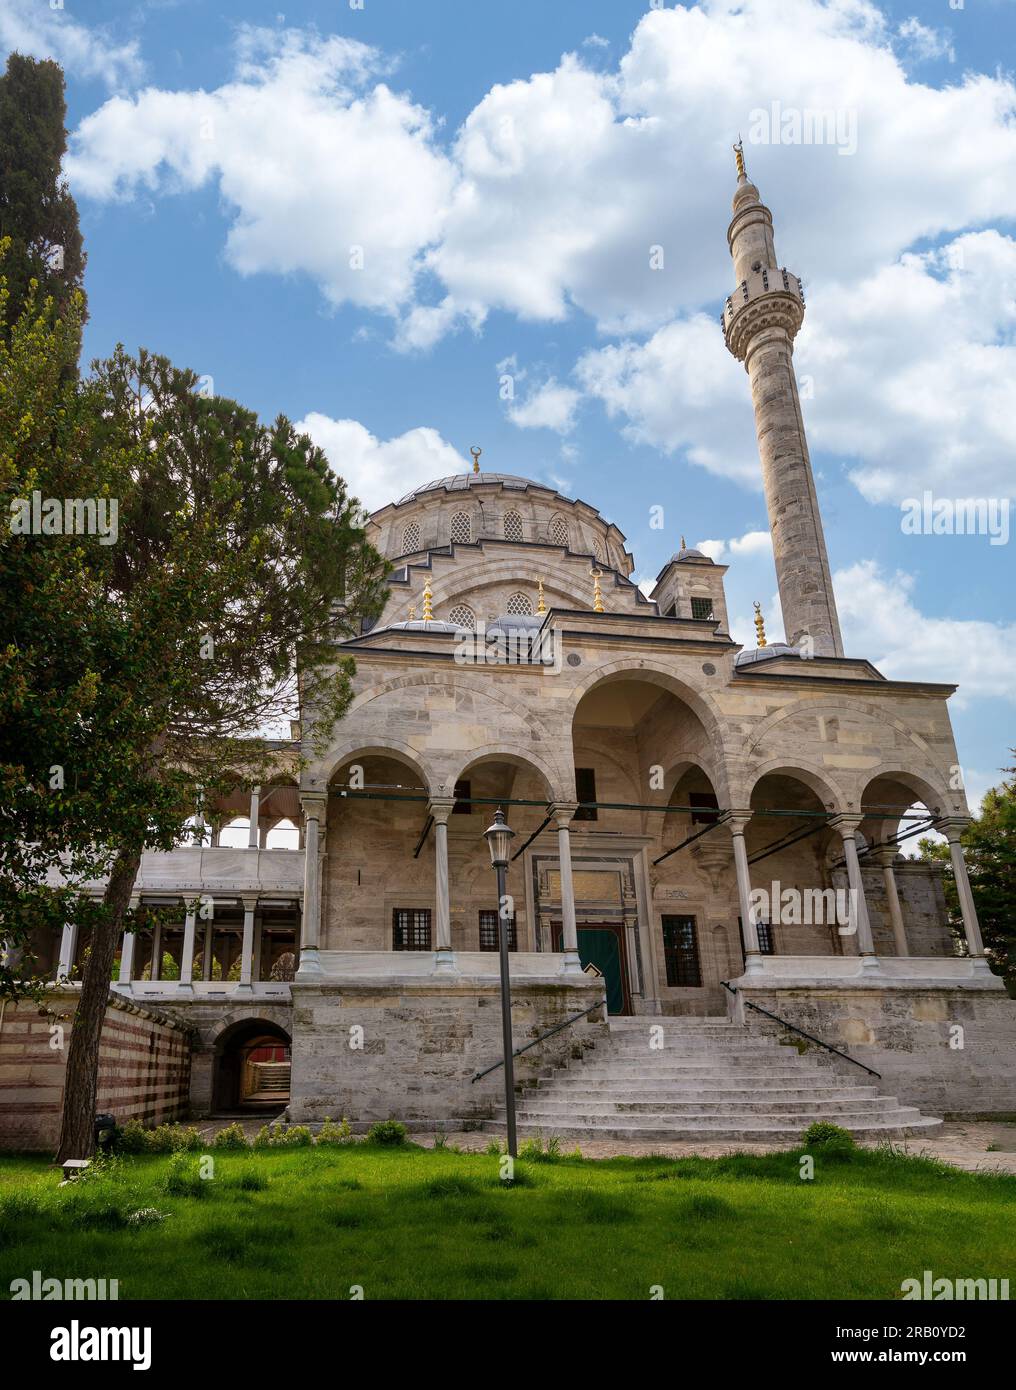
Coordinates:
(499, 837)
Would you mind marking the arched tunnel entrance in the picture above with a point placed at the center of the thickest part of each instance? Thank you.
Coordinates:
(251, 1070)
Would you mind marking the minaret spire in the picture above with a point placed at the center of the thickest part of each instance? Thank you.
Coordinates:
(760, 321)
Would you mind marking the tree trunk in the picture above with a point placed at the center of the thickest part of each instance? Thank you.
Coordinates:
(81, 1077)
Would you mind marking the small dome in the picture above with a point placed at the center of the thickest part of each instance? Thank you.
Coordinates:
(507, 623)
(418, 625)
(774, 649)
(688, 553)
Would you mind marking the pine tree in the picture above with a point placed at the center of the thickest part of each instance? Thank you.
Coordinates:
(37, 211)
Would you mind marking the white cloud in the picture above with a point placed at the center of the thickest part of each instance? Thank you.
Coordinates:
(550, 407)
(380, 471)
(922, 44)
(323, 173)
(33, 28)
(880, 619)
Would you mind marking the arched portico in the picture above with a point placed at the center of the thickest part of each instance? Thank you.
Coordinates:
(250, 1067)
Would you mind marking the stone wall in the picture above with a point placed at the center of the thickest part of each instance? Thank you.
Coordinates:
(422, 1042)
(949, 1049)
(144, 1067)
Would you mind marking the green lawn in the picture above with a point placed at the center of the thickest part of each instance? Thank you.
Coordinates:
(413, 1223)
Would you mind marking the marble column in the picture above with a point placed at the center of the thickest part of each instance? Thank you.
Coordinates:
(187, 956)
(68, 950)
(736, 822)
(444, 957)
(313, 806)
(247, 948)
(847, 827)
(207, 953)
(885, 856)
(563, 813)
(127, 950)
(953, 829)
(253, 835)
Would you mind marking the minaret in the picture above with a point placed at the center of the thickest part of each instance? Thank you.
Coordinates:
(760, 321)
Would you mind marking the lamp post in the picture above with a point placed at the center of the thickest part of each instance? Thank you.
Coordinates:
(499, 837)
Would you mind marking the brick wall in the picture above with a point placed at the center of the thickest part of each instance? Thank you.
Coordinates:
(144, 1067)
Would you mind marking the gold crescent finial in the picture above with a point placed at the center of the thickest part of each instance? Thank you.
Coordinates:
(541, 607)
(597, 575)
(684, 544)
(412, 612)
(428, 612)
(739, 159)
(476, 451)
(760, 625)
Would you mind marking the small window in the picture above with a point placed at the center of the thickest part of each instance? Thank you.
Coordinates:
(706, 810)
(411, 929)
(489, 938)
(513, 527)
(462, 616)
(559, 531)
(462, 530)
(520, 605)
(411, 539)
(585, 790)
(680, 950)
(702, 608)
(463, 791)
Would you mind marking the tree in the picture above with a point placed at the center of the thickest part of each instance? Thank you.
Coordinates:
(37, 211)
(241, 560)
(989, 847)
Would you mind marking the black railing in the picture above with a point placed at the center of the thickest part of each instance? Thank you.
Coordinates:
(794, 1029)
(601, 1004)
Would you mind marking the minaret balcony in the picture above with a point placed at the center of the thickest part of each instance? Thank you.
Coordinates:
(768, 298)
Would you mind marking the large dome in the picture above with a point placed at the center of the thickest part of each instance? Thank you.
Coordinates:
(460, 482)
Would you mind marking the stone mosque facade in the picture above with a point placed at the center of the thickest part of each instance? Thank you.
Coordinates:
(707, 838)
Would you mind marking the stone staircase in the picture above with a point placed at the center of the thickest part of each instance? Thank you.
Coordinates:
(713, 1080)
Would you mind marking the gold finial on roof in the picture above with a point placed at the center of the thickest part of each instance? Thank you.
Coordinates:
(428, 612)
(541, 607)
(684, 544)
(760, 625)
(739, 159)
(597, 595)
(476, 451)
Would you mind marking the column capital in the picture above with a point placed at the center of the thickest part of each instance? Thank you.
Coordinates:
(250, 902)
(563, 812)
(846, 823)
(736, 819)
(440, 807)
(884, 855)
(314, 805)
(952, 827)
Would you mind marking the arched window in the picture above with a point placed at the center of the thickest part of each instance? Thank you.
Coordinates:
(512, 526)
(559, 531)
(410, 539)
(520, 605)
(462, 531)
(462, 616)
(599, 552)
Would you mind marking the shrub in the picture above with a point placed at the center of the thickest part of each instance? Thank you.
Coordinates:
(278, 1136)
(131, 1138)
(389, 1132)
(232, 1137)
(537, 1152)
(332, 1133)
(829, 1138)
(182, 1179)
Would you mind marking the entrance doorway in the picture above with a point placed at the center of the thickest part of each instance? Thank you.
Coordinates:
(603, 944)
(252, 1068)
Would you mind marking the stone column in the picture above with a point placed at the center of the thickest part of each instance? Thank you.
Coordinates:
(187, 956)
(953, 829)
(444, 957)
(562, 812)
(847, 827)
(313, 806)
(155, 972)
(247, 948)
(127, 949)
(207, 954)
(68, 950)
(736, 822)
(253, 835)
(885, 856)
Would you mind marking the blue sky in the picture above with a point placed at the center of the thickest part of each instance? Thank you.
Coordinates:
(505, 171)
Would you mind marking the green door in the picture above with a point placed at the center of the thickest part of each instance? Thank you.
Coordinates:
(600, 946)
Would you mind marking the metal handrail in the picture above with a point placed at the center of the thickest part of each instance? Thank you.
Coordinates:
(601, 1004)
(794, 1029)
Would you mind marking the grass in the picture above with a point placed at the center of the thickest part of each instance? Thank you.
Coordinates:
(435, 1224)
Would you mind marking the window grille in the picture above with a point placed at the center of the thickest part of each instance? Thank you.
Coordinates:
(680, 951)
(701, 608)
(462, 616)
(411, 929)
(411, 539)
(520, 605)
(489, 937)
(462, 530)
(559, 531)
(513, 527)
